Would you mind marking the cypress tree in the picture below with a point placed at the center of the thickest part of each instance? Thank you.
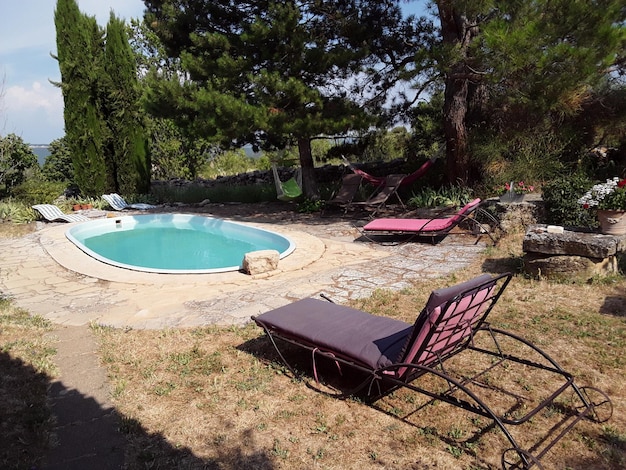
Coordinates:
(79, 53)
(127, 160)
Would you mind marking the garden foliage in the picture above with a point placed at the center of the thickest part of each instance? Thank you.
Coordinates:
(105, 132)
(561, 198)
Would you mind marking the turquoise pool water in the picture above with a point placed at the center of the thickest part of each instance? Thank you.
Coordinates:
(174, 243)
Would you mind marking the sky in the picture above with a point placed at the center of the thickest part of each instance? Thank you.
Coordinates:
(30, 106)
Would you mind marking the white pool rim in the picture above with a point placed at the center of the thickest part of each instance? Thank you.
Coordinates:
(101, 226)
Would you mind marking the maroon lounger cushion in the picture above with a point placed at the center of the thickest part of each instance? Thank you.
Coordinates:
(367, 339)
(419, 225)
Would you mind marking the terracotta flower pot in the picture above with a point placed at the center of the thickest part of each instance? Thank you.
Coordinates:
(612, 222)
(76, 207)
(86, 206)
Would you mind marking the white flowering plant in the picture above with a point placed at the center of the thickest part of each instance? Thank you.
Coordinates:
(608, 196)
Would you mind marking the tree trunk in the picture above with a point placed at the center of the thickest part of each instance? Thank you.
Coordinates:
(309, 183)
(454, 113)
(457, 34)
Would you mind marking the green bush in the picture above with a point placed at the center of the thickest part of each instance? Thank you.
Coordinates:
(231, 162)
(58, 165)
(38, 191)
(561, 201)
(16, 212)
(444, 196)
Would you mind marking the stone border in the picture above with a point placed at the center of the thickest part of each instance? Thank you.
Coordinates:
(309, 249)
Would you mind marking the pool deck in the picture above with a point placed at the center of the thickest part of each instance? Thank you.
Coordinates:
(46, 274)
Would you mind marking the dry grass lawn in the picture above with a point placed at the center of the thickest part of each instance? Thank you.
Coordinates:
(219, 397)
(26, 368)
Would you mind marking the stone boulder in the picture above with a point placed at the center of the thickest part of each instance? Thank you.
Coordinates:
(562, 267)
(570, 254)
(587, 244)
(259, 262)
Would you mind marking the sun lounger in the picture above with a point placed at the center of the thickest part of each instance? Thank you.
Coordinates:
(382, 195)
(344, 196)
(434, 228)
(52, 213)
(380, 180)
(450, 354)
(118, 203)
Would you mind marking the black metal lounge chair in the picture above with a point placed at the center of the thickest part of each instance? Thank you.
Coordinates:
(434, 228)
(378, 199)
(344, 196)
(380, 180)
(392, 354)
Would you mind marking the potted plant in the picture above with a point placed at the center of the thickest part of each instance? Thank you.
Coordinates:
(610, 201)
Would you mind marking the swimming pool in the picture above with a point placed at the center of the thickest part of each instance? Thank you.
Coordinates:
(174, 243)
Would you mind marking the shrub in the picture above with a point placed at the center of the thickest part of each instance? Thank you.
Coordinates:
(561, 199)
(16, 212)
(16, 158)
(38, 191)
(444, 196)
(58, 165)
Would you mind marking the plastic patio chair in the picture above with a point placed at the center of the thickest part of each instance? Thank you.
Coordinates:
(52, 213)
(118, 203)
(392, 355)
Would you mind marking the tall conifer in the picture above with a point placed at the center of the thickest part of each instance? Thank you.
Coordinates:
(79, 53)
(127, 161)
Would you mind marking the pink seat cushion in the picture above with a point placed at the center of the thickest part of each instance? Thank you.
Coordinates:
(409, 225)
(419, 225)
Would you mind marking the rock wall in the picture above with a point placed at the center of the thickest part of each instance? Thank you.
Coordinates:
(324, 174)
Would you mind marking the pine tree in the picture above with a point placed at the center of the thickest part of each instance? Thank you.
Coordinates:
(270, 73)
(510, 64)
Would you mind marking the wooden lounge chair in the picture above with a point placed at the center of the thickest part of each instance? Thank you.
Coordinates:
(450, 354)
(434, 228)
(118, 203)
(52, 213)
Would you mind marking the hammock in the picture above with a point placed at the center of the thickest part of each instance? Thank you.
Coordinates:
(290, 189)
(380, 180)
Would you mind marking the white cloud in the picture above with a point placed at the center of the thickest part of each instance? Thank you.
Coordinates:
(18, 97)
(35, 113)
(29, 105)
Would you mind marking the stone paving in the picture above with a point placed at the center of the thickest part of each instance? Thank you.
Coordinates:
(47, 275)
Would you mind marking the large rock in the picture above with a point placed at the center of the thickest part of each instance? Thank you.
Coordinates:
(561, 267)
(259, 262)
(587, 244)
(571, 254)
